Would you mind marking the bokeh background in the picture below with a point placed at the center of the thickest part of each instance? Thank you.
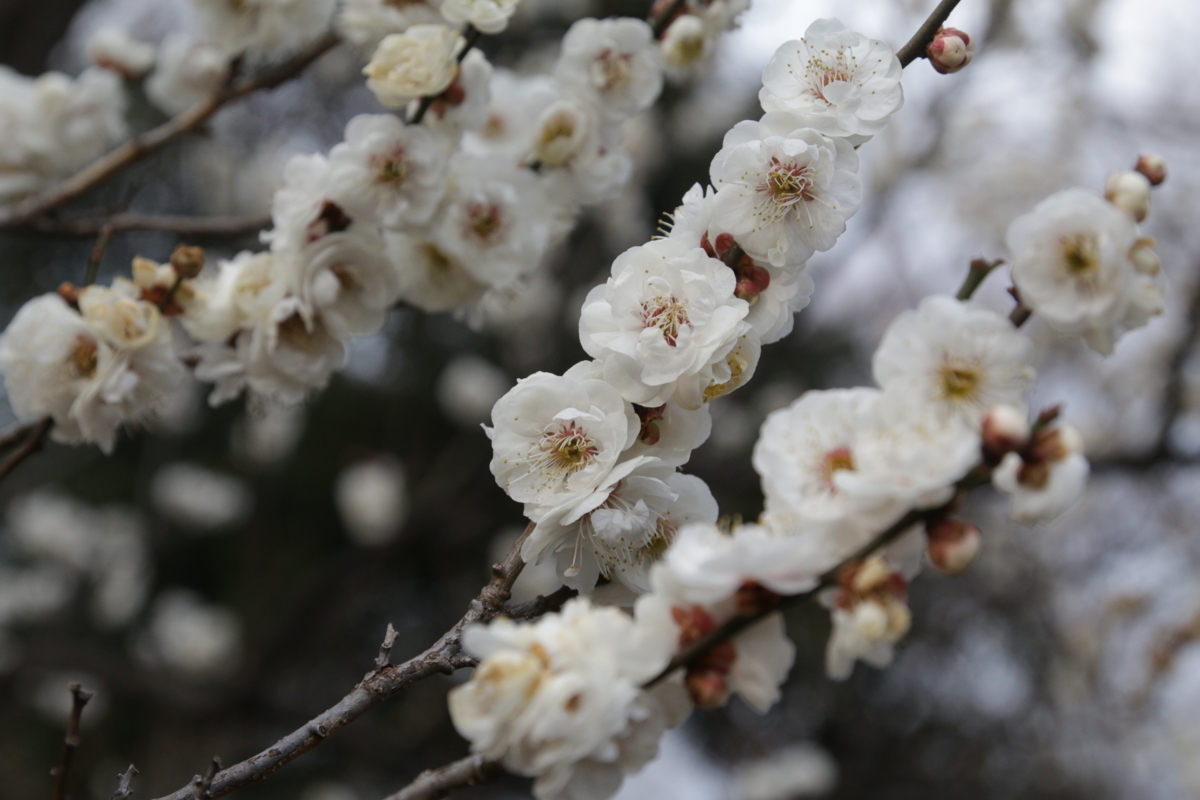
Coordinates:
(228, 573)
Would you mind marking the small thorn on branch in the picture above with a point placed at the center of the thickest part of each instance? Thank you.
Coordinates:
(203, 784)
(124, 791)
(79, 699)
(385, 650)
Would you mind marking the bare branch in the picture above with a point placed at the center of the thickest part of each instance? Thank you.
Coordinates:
(35, 438)
(217, 226)
(915, 47)
(542, 604)
(203, 784)
(144, 144)
(980, 269)
(79, 699)
(444, 656)
(15, 433)
(443, 781)
(124, 791)
(385, 650)
(660, 22)
(97, 256)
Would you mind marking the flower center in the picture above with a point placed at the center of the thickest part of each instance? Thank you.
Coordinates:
(612, 71)
(667, 314)
(958, 382)
(787, 184)
(484, 220)
(85, 355)
(1081, 254)
(836, 460)
(823, 70)
(391, 168)
(568, 448)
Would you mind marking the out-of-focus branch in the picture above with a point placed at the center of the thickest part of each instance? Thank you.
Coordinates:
(33, 440)
(79, 699)
(1173, 395)
(124, 789)
(915, 47)
(542, 604)
(444, 656)
(980, 269)
(444, 781)
(661, 21)
(163, 223)
(144, 144)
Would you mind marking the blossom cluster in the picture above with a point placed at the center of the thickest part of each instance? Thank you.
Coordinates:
(859, 484)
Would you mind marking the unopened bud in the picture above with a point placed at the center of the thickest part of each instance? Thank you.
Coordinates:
(708, 689)
(723, 243)
(873, 573)
(1143, 257)
(953, 544)
(683, 43)
(899, 620)
(1130, 192)
(950, 50)
(1005, 429)
(746, 290)
(69, 292)
(187, 261)
(1153, 167)
(563, 130)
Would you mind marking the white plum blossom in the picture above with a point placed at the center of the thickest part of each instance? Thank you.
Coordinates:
(957, 359)
(838, 81)
(686, 603)
(664, 323)
(241, 292)
(112, 48)
(187, 71)
(494, 221)
(463, 106)
(430, 278)
(388, 171)
(775, 293)
(90, 371)
(372, 500)
(611, 64)
(585, 163)
(263, 29)
(1130, 192)
(421, 62)
(1046, 478)
(1078, 263)
(840, 466)
(515, 102)
(301, 209)
(685, 42)
(869, 614)
(620, 529)
(560, 699)
(555, 440)
(489, 16)
(365, 22)
(784, 190)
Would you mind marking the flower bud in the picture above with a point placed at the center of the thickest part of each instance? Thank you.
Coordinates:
(953, 544)
(871, 574)
(563, 131)
(746, 290)
(683, 44)
(1143, 257)
(187, 261)
(950, 50)
(1005, 429)
(1153, 167)
(708, 689)
(1130, 192)
(723, 243)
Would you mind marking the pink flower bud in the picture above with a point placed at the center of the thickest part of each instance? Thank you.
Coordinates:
(746, 290)
(1130, 192)
(708, 689)
(723, 243)
(1005, 429)
(953, 544)
(950, 50)
(1153, 167)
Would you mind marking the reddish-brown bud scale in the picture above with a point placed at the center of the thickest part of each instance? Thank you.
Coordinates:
(953, 544)
(753, 598)
(950, 50)
(724, 242)
(708, 690)
(69, 292)
(706, 245)
(1153, 167)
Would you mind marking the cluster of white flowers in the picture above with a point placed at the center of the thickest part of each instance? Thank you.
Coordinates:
(53, 125)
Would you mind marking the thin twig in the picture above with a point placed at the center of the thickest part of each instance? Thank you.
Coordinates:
(79, 699)
(385, 650)
(659, 23)
(93, 265)
(15, 433)
(216, 226)
(444, 656)
(540, 605)
(34, 440)
(144, 144)
(437, 783)
(124, 790)
(471, 36)
(915, 47)
(203, 784)
(980, 269)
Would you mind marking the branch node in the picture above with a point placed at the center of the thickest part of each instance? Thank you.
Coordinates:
(124, 792)
(385, 650)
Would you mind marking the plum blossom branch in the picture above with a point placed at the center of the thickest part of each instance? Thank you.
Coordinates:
(34, 439)
(149, 142)
(444, 781)
(915, 47)
(79, 699)
(661, 21)
(980, 269)
(445, 656)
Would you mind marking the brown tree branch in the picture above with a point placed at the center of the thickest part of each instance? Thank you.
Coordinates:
(34, 440)
(915, 47)
(542, 604)
(443, 781)
(79, 699)
(660, 22)
(163, 223)
(444, 656)
(144, 144)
